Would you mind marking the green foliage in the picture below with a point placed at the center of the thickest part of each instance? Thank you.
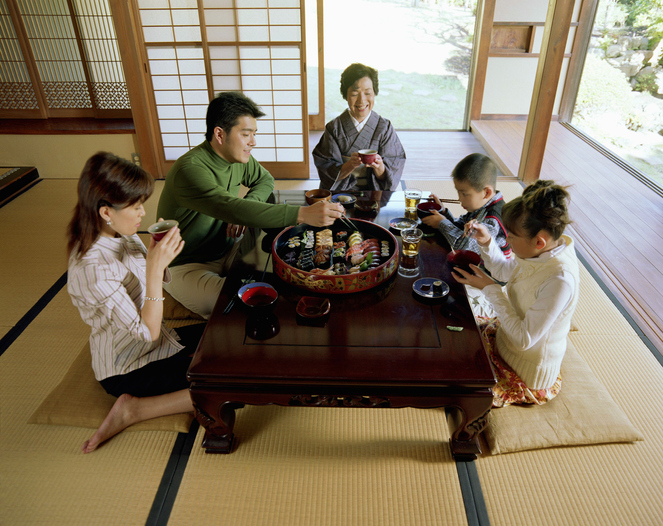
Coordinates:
(647, 83)
(603, 88)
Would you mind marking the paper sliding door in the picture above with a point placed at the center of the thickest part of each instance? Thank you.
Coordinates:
(196, 49)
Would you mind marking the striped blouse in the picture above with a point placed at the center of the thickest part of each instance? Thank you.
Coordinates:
(108, 286)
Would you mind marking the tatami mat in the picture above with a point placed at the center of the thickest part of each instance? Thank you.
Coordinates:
(326, 466)
(606, 484)
(32, 241)
(45, 477)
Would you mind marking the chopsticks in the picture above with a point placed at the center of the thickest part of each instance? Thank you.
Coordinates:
(347, 222)
(231, 303)
(452, 201)
(465, 239)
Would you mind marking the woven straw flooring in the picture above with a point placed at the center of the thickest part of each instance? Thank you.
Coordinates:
(300, 465)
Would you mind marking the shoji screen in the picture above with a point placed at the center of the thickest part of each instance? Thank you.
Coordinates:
(196, 49)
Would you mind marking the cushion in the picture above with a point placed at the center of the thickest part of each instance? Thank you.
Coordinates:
(582, 413)
(174, 310)
(80, 401)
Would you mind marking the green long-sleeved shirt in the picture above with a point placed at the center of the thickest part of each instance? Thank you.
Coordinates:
(201, 192)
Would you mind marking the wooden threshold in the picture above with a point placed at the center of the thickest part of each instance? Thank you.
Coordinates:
(60, 126)
(617, 219)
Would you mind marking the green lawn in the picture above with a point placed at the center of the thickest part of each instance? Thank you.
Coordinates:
(411, 101)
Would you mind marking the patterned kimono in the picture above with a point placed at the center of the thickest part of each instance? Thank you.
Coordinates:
(341, 139)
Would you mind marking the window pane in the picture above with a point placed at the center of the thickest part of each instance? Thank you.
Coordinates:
(620, 98)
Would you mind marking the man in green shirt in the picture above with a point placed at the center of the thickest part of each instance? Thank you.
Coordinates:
(202, 193)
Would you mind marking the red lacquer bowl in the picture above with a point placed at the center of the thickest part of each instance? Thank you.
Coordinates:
(343, 284)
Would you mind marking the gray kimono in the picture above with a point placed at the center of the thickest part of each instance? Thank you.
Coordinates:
(341, 139)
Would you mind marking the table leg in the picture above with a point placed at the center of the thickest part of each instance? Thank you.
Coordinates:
(219, 434)
(472, 419)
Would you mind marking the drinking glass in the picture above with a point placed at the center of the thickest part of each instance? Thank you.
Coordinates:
(412, 198)
(409, 265)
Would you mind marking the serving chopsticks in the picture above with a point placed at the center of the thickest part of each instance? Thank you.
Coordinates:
(231, 303)
(465, 239)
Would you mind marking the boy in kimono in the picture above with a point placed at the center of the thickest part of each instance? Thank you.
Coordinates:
(336, 156)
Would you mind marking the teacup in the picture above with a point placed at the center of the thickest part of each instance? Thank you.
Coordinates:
(160, 229)
(318, 194)
(368, 156)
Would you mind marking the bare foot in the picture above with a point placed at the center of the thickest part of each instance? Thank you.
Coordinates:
(118, 418)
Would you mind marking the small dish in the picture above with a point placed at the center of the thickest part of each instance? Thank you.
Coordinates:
(430, 288)
(312, 307)
(401, 223)
(317, 194)
(313, 311)
(258, 295)
(344, 199)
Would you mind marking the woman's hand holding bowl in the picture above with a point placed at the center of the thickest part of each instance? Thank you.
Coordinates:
(160, 254)
(350, 165)
(378, 166)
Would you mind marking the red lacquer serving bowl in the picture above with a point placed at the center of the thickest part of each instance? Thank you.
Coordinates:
(341, 284)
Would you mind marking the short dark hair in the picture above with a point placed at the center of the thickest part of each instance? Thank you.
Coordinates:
(225, 110)
(478, 170)
(353, 73)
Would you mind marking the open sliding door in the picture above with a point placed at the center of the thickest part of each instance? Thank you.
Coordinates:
(193, 49)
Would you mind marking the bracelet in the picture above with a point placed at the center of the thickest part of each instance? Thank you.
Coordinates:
(154, 299)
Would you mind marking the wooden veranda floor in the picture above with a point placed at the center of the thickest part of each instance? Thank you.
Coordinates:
(618, 220)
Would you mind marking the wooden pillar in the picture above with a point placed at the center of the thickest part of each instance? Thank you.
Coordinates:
(485, 16)
(558, 21)
(135, 70)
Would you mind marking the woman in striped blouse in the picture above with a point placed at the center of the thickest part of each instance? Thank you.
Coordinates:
(117, 286)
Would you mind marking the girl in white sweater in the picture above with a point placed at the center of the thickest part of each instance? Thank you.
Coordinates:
(527, 339)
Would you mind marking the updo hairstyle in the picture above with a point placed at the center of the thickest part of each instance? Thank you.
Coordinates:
(543, 206)
(355, 72)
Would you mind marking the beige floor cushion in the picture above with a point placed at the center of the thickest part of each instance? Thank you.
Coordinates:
(582, 413)
(80, 401)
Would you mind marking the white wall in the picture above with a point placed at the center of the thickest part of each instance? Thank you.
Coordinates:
(510, 80)
(61, 156)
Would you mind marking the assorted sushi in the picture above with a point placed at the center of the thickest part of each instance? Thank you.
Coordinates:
(326, 253)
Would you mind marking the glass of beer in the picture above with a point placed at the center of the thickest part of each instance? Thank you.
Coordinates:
(409, 265)
(412, 198)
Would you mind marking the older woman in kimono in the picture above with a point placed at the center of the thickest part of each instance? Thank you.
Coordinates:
(359, 128)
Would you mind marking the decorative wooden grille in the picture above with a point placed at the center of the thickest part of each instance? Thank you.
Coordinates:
(16, 91)
(77, 68)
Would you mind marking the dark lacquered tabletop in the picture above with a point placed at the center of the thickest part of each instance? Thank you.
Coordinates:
(381, 336)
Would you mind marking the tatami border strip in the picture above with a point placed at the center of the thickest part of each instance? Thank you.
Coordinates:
(27, 318)
(621, 309)
(470, 487)
(172, 477)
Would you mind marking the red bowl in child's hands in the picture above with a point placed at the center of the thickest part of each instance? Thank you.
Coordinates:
(463, 259)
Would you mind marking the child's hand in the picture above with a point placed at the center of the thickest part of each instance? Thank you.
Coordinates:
(434, 219)
(479, 231)
(436, 200)
(479, 280)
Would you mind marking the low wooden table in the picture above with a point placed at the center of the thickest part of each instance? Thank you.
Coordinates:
(379, 348)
